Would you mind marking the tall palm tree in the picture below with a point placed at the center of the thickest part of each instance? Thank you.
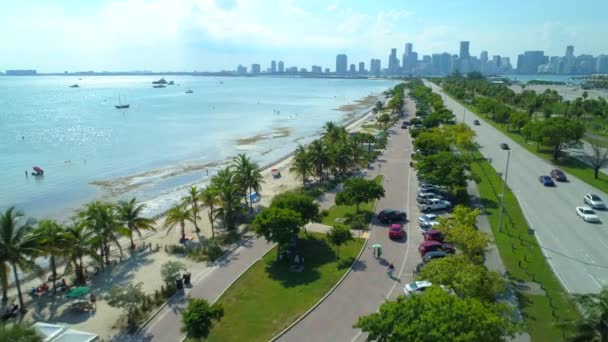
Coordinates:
(103, 220)
(19, 244)
(192, 199)
(248, 176)
(52, 243)
(178, 215)
(319, 157)
(302, 164)
(83, 243)
(333, 132)
(225, 181)
(593, 327)
(129, 213)
(209, 198)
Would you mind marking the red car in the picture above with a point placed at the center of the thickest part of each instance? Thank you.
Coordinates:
(433, 235)
(395, 231)
(558, 175)
(432, 246)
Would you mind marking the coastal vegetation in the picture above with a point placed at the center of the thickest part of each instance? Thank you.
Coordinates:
(199, 317)
(595, 82)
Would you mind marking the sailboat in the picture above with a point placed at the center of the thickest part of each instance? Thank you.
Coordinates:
(121, 105)
(189, 91)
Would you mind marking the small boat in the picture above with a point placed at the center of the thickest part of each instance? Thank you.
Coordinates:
(161, 81)
(74, 86)
(276, 173)
(189, 91)
(171, 83)
(159, 86)
(37, 171)
(121, 105)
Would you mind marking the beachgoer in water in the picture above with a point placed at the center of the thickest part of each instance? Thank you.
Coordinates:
(25, 173)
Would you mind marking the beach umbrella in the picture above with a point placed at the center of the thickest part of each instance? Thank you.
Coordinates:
(376, 245)
(78, 292)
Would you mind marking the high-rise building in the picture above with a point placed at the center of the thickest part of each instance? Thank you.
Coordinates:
(281, 67)
(21, 72)
(464, 50)
(529, 62)
(435, 63)
(569, 51)
(408, 49)
(255, 68)
(393, 62)
(352, 69)
(362, 67)
(483, 57)
(341, 64)
(327, 70)
(375, 67)
(505, 63)
(316, 69)
(406, 60)
(601, 66)
(241, 69)
(273, 67)
(445, 64)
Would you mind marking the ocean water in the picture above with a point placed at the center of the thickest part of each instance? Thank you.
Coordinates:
(166, 140)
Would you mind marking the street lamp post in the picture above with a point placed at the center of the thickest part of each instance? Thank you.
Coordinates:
(504, 189)
(464, 112)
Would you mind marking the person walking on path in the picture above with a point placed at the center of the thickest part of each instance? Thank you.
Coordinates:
(93, 300)
(391, 269)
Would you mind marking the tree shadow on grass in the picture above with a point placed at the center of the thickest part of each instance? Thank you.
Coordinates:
(316, 252)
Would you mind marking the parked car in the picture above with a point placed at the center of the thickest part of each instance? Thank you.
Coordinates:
(433, 235)
(587, 214)
(433, 255)
(433, 246)
(434, 204)
(391, 215)
(395, 231)
(594, 201)
(416, 287)
(425, 196)
(558, 175)
(476, 122)
(428, 187)
(546, 180)
(427, 218)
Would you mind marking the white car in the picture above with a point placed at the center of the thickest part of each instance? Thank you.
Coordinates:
(594, 201)
(434, 204)
(587, 214)
(427, 221)
(416, 287)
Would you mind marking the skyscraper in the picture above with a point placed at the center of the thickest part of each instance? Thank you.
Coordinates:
(361, 67)
(408, 49)
(601, 66)
(273, 67)
(529, 62)
(393, 62)
(464, 50)
(281, 67)
(375, 67)
(569, 51)
(341, 64)
(483, 57)
(255, 68)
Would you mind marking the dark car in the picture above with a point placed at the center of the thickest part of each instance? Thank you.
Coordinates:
(433, 255)
(504, 146)
(391, 215)
(476, 122)
(546, 180)
(404, 125)
(433, 235)
(432, 246)
(558, 175)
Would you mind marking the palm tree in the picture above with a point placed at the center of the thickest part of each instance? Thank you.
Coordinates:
(593, 327)
(192, 199)
(319, 158)
(52, 243)
(209, 198)
(225, 182)
(178, 215)
(20, 331)
(19, 245)
(248, 176)
(302, 165)
(129, 213)
(333, 132)
(83, 243)
(102, 218)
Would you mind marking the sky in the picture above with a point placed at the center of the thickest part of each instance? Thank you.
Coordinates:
(211, 35)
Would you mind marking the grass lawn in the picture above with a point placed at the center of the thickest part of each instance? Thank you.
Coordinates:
(523, 258)
(568, 164)
(341, 211)
(268, 297)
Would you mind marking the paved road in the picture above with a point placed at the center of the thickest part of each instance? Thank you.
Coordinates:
(368, 285)
(576, 250)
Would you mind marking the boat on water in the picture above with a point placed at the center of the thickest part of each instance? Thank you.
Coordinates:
(37, 171)
(159, 86)
(74, 86)
(189, 91)
(121, 105)
(161, 81)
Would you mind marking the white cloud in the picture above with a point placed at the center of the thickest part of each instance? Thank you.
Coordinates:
(332, 7)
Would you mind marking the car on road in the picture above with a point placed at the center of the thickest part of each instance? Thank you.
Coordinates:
(433, 246)
(558, 175)
(395, 231)
(433, 235)
(416, 287)
(594, 201)
(587, 214)
(434, 204)
(404, 125)
(546, 180)
(504, 146)
(391, 215)
(476, 122)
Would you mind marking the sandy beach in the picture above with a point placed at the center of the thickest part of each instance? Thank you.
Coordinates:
(144, 266)
(568, 92)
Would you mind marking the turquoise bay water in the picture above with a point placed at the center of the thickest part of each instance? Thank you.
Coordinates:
(166, 140)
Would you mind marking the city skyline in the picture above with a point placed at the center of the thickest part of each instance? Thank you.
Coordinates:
(217, 35)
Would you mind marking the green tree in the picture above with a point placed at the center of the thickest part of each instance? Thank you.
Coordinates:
(278, 225)
(598, 157)
(466, 278)
(177, 215)
(18, 244)
(128, 298)
(593, 326)
(359, 190)
(302, 166)
(228, 191)
(300, 203)
(436, 315)
(319, 158)
(248, 176)
(384, 119)
(82, 241)
(192, 199)
(338, 235)
(518, 120)
(460, 135)
(444, 168)
(19, 332)
(471, 241)
(209, 198)
(198, 318)
(333, 133)
(433, 141)
(52, 243)
(169, 271)
(130, 214)
(102, 218)
(560, 133)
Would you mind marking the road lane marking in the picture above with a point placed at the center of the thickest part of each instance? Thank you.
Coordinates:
(595, 281)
